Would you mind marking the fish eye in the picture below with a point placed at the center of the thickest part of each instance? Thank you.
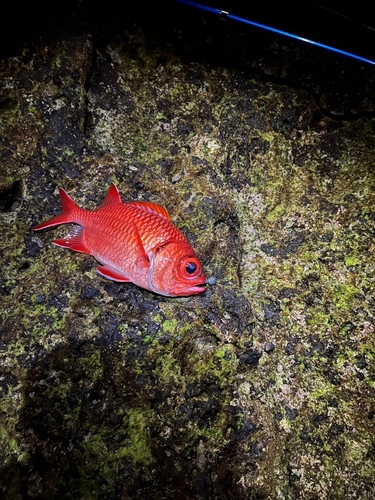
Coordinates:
(191, 267)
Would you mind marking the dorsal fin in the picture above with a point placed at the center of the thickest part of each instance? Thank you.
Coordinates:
(111, 198)
(151, 207)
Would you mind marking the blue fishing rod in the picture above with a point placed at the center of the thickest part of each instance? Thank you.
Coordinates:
(226, 15)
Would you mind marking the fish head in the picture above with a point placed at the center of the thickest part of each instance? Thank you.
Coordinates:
(175, 270)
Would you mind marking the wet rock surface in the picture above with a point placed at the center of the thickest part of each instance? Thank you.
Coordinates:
(263, 386)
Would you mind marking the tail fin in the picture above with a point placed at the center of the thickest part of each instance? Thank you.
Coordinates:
(68, 206)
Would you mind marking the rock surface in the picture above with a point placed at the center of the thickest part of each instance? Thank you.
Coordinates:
(262, 387)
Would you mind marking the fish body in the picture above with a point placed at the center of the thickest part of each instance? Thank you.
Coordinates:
(133, 242)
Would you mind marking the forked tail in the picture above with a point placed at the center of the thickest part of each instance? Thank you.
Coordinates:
(69, 211)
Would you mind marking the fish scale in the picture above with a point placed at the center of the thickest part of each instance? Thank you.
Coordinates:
(134, 242)
(116, 240)
(153, 229)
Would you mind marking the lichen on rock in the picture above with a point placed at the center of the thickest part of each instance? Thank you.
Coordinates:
(263, 386)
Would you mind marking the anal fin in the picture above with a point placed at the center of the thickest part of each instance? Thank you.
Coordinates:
(74, 241)
(112, 273)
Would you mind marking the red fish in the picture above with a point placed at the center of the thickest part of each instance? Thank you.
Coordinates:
(134, 242)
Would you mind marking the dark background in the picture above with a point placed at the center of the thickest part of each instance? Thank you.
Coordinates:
(351, 28)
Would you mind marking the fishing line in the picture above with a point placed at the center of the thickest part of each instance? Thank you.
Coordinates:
(227, 15)
(345, 17)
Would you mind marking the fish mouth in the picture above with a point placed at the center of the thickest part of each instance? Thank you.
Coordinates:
(202, 287)
(196, 288)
